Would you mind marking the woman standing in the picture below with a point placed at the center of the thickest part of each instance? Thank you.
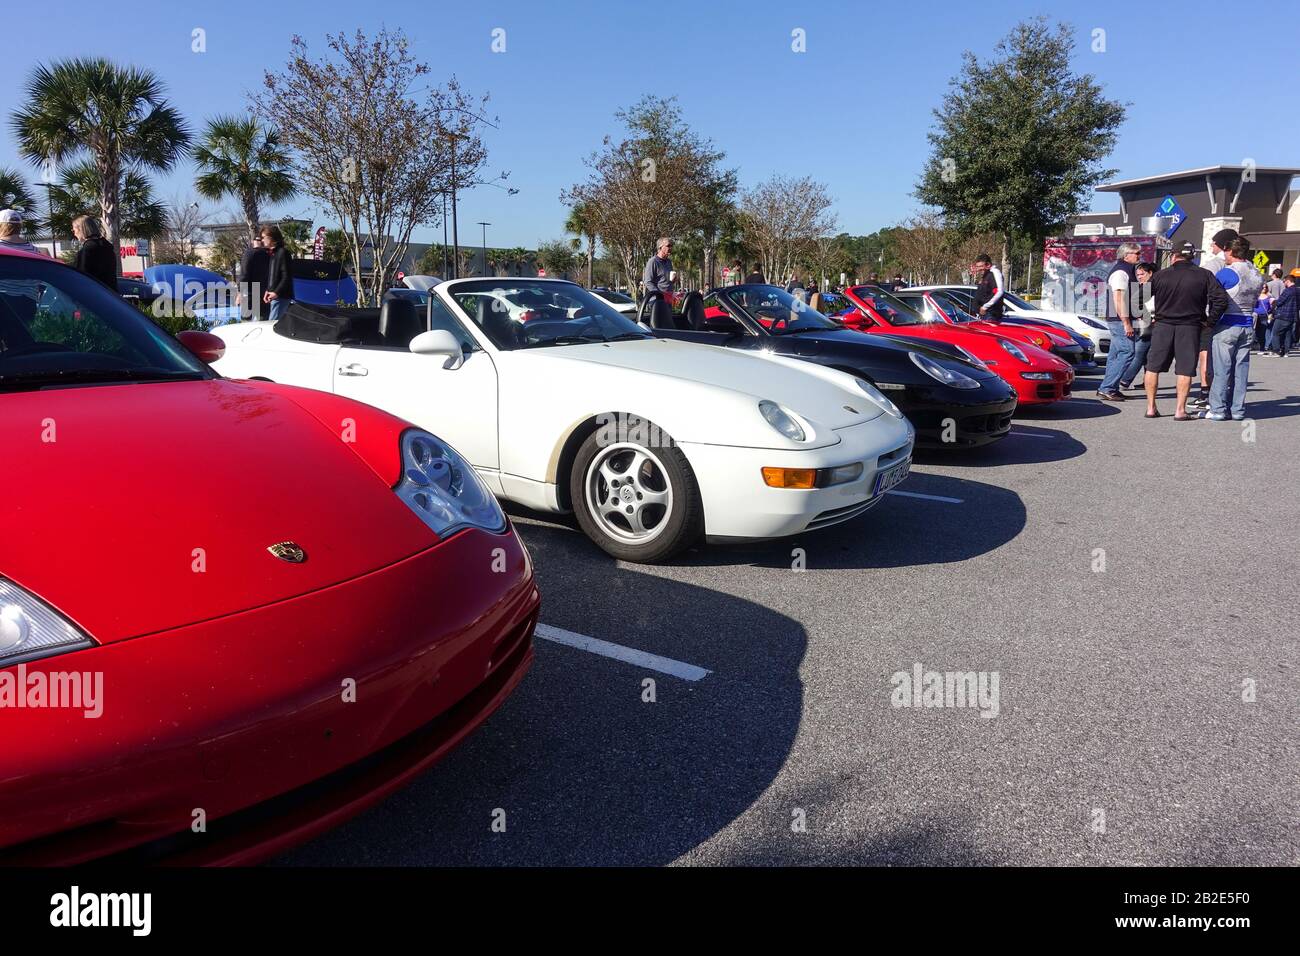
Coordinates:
(279, 276)
(95, 257)
(1263, 310)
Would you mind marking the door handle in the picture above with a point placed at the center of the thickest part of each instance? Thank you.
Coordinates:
(355, 368)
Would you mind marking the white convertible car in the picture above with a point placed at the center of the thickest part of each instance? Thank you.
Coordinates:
(561, 403)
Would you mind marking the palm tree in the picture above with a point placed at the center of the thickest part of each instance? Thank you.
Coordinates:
(77, 194)
(582, 224)
(116, 114)
(14, 194)
(239, 157)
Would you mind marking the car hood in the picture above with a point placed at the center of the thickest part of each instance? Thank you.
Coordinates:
(138, 508)
(818, 394)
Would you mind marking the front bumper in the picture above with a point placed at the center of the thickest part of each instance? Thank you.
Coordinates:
(244, 717)
(739, 505)
(941, 422)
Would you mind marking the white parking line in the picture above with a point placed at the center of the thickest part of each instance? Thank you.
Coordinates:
(1031, 434)
(913, 494)
(630, 655)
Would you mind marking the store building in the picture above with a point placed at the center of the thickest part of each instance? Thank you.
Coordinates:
(1258, 201)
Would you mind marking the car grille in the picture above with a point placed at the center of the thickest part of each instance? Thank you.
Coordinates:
(836, 515)
(1103, 345)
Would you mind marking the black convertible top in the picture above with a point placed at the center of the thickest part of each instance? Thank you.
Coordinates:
(328, 324)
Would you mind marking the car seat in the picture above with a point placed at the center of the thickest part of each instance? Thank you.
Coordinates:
(399, 322)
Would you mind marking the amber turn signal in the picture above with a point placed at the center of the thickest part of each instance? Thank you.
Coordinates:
(790, 477)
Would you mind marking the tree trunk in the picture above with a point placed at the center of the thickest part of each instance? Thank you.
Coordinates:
(110, 182)
(591, 260)
(250, 214)
(1006, 265)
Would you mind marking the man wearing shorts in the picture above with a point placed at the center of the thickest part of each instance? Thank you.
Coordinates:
(1185, 300)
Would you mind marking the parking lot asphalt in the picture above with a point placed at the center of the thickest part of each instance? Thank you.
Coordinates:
(1132, 585)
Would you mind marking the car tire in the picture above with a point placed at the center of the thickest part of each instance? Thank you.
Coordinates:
(634, 493)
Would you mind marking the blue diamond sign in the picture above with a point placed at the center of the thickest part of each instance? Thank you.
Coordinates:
(1169, 207)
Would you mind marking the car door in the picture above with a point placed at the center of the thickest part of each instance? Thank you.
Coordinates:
(456, 404)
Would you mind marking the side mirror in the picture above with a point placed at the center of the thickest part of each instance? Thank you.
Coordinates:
(205, 346)
(442, 343)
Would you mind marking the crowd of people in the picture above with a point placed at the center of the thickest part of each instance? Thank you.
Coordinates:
(1204, 321)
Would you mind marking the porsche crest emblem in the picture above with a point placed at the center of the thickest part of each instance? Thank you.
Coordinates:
(288, 551)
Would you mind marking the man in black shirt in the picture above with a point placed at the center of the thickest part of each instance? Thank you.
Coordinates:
(253, 271)
(1186, 299)
(988, 302)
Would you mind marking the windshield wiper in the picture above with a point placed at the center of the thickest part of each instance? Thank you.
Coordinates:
(40, 378)
(628, 336)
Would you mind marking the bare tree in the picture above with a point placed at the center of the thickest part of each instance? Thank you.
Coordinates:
(370, 145)
(184, 226)
(782, 219)
(659, 179)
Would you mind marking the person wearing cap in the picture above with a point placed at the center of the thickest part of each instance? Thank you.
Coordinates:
(96, 257)
(1122, 284)
(1185, 299)
(1286, 310)
(11, 232)
(1230, 345)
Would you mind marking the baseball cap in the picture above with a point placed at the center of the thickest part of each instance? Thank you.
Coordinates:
(10, 215)
(1188, 250)
(1224, 236)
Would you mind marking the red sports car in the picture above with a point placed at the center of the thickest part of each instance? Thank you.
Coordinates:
(232, 614)
(1037, 376)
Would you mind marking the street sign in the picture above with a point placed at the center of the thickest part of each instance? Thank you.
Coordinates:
(1169, 207)
(541, 273)
(1261, 261)
(142, 247)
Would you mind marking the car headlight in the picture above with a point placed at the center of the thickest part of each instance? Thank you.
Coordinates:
(880, 400)
(443, 488)
(30, 628)
(937, 372)
(781, 420)
(1012, 349)
(1091, 322)
(1037, 376)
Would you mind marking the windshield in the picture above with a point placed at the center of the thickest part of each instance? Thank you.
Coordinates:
(953, 307)
(618, 298)
(1018, 302)
(58, 326)
(521, 314)
(888, 306)
(776, 310)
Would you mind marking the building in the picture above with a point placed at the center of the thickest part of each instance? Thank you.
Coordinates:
(1258, 201)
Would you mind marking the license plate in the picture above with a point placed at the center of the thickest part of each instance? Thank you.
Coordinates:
(891, 478)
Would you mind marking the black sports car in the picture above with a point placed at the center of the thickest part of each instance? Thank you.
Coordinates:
(951, 401)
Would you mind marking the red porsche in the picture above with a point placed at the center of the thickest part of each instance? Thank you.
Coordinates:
(1037, 376)
(232, 614)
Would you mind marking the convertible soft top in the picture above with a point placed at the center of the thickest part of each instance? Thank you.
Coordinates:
(327, 324)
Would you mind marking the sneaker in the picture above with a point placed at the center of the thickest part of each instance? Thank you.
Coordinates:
(1111, 397)
(1198, 403)
(1214, 416)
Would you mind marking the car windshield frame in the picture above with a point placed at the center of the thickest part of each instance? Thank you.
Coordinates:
(893, 306)
(510, 331)
(808, 320)
(70, 329)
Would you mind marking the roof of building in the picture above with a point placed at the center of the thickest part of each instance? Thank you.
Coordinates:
(1190, 173)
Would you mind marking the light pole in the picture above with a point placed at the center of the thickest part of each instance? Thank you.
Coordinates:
(455, 237)
(485, 225)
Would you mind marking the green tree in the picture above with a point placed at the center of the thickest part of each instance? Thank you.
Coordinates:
(1019, 139)
(581, 224)
(140, 215)
(298, 237)
(14, 194)
(116, 115)
(238, 156)
(556, 257)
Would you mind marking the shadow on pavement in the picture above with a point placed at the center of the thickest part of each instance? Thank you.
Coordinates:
(586, 772)
(1026, 445)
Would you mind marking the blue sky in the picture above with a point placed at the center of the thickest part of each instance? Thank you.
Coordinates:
(853, 111)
